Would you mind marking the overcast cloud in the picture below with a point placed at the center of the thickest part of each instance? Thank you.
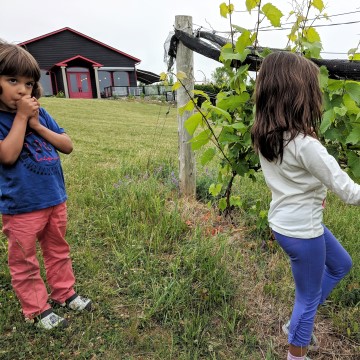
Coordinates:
(140, 27)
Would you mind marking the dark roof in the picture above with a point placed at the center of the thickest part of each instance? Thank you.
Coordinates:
(80, 34)
(147, 77)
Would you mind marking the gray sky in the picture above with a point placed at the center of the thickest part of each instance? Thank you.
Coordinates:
(140, 27)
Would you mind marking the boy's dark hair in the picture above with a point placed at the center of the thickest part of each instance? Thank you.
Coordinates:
(16, 61)
(288, 100)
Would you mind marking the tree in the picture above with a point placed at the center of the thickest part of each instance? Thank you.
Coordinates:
(224, 128)
(220, 76)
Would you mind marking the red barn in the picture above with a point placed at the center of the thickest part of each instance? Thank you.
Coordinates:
(82, 67)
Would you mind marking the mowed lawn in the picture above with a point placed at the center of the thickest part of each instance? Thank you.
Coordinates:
(169, 277)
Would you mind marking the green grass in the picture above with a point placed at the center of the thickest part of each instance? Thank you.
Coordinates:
(163, 286)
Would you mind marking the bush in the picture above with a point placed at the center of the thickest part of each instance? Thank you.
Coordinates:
(60, 94)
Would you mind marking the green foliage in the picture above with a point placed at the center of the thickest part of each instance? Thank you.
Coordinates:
(157, 285)
(273, 14)
(340, 125)
(60, 94)
(227, 124)
(221, 78)
(225, 9)
(162, 287)
(211, 88)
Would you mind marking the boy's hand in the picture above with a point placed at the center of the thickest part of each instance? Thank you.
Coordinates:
(34, 121)
(10, 148)
(27, 106)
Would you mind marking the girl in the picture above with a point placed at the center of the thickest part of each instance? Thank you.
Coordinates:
(32, 192)
(298, 170)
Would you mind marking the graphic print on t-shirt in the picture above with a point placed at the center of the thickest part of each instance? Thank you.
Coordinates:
(39, 156)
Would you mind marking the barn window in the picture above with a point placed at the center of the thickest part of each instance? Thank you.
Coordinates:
(45, 81)
(121, 78)
(104, 79)
(77, 69)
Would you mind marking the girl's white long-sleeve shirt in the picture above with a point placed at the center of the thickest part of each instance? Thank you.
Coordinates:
(298, 185)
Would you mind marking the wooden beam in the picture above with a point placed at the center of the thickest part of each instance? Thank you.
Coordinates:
(185, 63)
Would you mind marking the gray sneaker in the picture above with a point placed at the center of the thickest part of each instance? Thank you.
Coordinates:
(48, 320)
(77, 303)
(314, 344)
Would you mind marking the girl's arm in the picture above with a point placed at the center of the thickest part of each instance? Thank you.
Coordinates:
(61, 142)
(11, 146)
(325, 168)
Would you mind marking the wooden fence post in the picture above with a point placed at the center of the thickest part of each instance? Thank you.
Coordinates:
(185, 63)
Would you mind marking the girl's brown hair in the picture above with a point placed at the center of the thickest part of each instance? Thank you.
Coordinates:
(288, 100)
(16, 61)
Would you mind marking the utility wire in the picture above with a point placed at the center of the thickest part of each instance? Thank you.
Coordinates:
(320, 17)
(314, 26)
(288, 28)
(333, 53)
(263, 28)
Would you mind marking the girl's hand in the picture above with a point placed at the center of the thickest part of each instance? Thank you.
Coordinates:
(313, 133)
(28, 106)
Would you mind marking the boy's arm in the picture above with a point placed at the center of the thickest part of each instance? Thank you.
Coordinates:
(61, 142)
(12, 144)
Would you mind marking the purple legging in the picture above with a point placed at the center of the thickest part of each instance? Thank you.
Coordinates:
(317, 264)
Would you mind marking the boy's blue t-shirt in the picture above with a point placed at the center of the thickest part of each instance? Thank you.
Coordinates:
(35, 181)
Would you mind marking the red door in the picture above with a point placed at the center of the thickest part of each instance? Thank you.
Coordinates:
(79, 84)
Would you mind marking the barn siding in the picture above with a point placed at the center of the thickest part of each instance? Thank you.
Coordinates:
(63, 45)
(66, 44)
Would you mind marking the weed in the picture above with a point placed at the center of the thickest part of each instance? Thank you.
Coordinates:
(163, 287)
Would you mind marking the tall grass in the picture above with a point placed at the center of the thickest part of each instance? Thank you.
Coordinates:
(168, 277)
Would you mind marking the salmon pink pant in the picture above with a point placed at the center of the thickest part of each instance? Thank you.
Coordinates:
(48, 226)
